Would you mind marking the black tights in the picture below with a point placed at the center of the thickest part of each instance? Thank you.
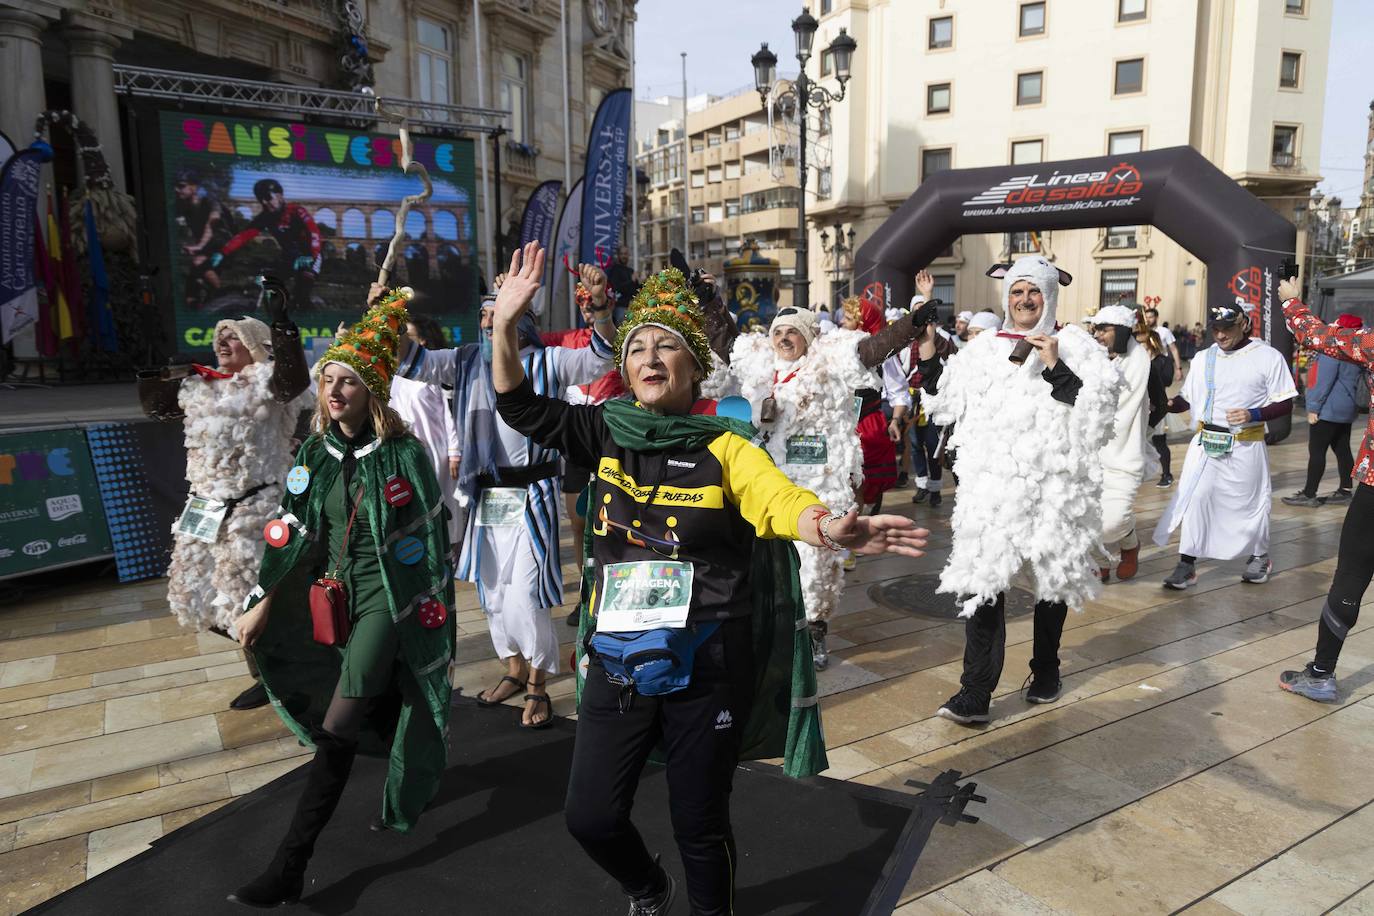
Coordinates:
(1161, 444)
(1354, 567)
(1321, 436)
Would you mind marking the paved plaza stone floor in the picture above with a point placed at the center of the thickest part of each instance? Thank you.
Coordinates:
(1172, 775)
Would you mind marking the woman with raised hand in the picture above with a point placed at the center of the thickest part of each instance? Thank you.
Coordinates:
(689, 557)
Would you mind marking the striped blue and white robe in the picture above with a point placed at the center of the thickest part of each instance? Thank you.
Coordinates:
(550, 370)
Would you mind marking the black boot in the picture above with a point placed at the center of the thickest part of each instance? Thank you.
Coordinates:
(284, 878)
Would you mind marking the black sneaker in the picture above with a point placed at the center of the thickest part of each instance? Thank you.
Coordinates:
(1302, 499)
(252, 698)
(820, 656)
(1165, 481)
(1340, 496)
(1042, 688)
(935, 499)
(903, 479)
(920, 495)
(657, 904)
(965, 709)
(574, 617)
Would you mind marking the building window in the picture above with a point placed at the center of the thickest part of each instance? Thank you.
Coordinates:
(1030, 88)
(944, 288)
(713, 174)
(1130, 10)
(826, 7)
(1023, 242)
(827, 63)
(1285, 146)
(1118, 285)
(731, 208)
(1295, 7)
(512, 93)
(1121, 237)
(435, 59)
(941, 33)
(937, 98)
(1130, 76)
(1290, 70)
(823, 183)
(1122, 142)
(732, 170)
(1032, 19)
(1025, 152)
(698, 179)
(823, 122)
(935, 160)
(698, 215)
(715, 213)
(698, 144)
(731, 132)
(713, 139)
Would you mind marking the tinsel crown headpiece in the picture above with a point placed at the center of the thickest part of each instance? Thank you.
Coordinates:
(666, 301)
(369, 347)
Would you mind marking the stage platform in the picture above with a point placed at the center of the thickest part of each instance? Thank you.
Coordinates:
(494, 843)
(28, 405)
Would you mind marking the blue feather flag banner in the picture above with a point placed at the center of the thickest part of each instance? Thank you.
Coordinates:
(99, 319)
(603, 195)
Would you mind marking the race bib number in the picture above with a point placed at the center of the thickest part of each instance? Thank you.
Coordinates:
(644, 596)
(858, 406)
(201, 519)
(502, 507)
(1216, 443)
(803, 449)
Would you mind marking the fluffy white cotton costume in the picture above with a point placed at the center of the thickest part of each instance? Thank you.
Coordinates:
(818, 401)
(237, 436)
(1124, 457)
(1029, 503)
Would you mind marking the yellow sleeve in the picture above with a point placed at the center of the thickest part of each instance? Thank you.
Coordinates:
(764, 495)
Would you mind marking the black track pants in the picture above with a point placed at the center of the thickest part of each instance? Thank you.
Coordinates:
(1161, 444)
(1354, 567)
(985, 644)
(701, 727)
(1321, 436)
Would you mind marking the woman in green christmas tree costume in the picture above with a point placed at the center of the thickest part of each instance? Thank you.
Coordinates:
(361, 507)
(690, 530)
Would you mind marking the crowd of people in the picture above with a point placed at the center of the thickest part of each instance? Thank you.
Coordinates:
(717, 484)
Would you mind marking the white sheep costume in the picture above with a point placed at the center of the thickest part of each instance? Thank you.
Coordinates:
(817, 401)
(237, 437)
(1124, 457)
(1029, 503)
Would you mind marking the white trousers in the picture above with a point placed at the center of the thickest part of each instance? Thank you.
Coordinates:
(509, 595)
(1222, 504)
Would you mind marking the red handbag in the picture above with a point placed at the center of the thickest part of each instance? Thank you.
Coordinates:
(329, 599)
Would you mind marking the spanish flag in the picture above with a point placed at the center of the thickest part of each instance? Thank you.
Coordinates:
(65, 328)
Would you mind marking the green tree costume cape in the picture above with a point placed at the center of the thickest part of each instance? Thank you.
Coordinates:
(410, 724)
(786, 717)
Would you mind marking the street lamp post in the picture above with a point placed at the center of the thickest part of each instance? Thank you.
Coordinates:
(804, 94)
(843, 247)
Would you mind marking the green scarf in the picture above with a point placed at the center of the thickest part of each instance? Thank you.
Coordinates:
(786, 717)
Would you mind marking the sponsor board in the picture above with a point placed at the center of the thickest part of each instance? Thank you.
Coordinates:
(50, 507)
(60, 507)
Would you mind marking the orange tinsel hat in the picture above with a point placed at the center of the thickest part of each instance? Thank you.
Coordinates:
(369, 347)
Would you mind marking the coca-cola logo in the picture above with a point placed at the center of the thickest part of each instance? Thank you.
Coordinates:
(37, 548)
(71, 540)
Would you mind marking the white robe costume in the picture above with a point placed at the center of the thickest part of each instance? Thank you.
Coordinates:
(517, 568)
(426, 410)
(1124, 458)
(237, 437)
(1029, 505)
(815, 406)
(1223, 503)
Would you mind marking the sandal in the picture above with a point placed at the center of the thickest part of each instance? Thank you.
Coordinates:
(539, 698)
(501, 702)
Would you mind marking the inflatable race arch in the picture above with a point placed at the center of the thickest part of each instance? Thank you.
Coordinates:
(1241, 240)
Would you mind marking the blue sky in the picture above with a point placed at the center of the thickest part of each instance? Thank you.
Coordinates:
(720, 35)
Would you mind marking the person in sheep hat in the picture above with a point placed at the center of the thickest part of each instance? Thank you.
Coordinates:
(1032, 406)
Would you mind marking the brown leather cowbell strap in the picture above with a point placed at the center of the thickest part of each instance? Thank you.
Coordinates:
(290, 374)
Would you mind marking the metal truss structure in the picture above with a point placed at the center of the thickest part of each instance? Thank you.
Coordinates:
(425, 117)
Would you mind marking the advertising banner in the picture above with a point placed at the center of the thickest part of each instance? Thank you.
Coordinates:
(18, 218)
(565, 256)
(50, 508)
(142, 472)
(537, 225)
(603, 183)
(315, 206)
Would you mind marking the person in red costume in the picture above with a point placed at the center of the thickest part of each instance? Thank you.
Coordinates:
(1355, 559)
(294, 231)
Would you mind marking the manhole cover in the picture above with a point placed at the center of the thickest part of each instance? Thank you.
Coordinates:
(916, 595)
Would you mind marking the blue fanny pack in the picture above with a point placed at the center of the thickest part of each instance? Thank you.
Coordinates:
(654, 662)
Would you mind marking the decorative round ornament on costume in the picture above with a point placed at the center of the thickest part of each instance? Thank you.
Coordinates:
(297, 479)
(734, 407)
(432, 613)
(397, 491)
(409, 551)
(277, 533)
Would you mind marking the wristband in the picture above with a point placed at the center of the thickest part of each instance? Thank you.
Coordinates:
(823, 529)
